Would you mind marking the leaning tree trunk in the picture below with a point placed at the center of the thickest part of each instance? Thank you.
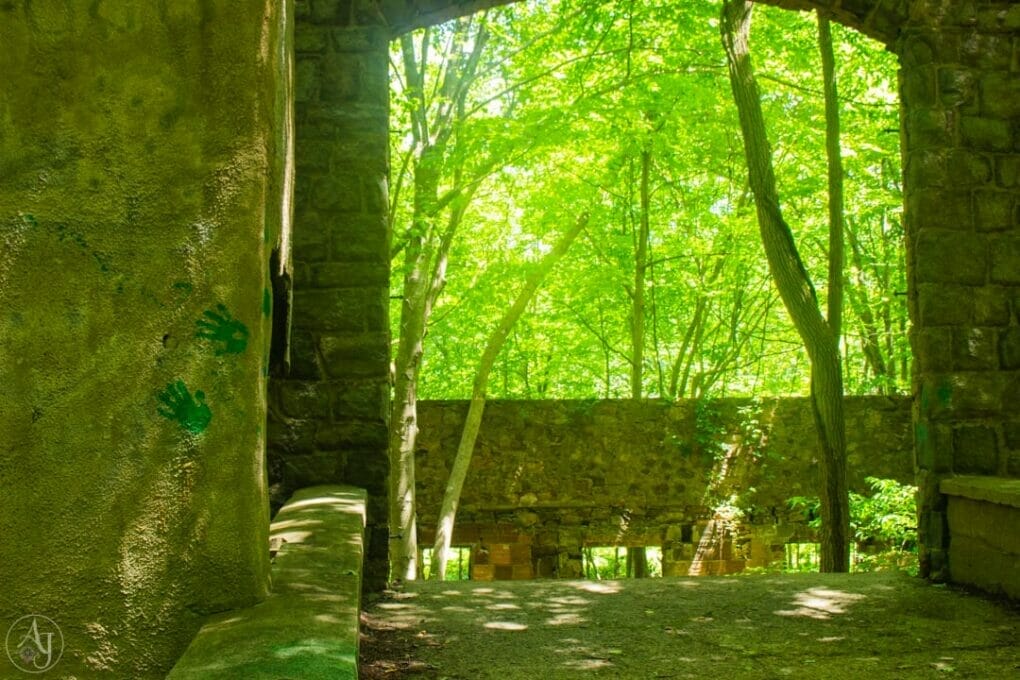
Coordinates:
(455, 484)
(795, 289)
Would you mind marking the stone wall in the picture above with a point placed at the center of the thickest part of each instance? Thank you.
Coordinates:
(142, 150)
(329, 412)
(960, 89)
(559, 475)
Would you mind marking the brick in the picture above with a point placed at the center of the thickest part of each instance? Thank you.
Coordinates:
(957, 86)
(986, 51)
(932, 348)
(917, 86)
(337, 192)
(991, 306)
(929, 127)
(360, 399)
(359, 238)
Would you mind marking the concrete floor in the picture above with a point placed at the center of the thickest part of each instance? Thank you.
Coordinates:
(791, 626)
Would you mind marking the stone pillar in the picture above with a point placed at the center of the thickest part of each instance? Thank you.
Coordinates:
(960, 88)
(140, 199)
(329, 413)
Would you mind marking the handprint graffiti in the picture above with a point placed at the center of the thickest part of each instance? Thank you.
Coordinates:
(220, 328)
(178, 405)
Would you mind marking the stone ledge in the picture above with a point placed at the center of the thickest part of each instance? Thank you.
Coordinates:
(308, 627)
(1000, 490)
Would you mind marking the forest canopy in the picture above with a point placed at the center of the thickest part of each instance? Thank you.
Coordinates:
(508, 125)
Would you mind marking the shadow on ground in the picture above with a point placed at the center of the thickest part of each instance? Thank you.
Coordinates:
(793, 626)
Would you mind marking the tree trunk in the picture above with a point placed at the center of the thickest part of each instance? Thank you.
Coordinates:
(455, 484)
(795, 289)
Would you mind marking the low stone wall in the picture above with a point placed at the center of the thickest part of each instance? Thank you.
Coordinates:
(708, 481)
(984, 532)
(308, 627)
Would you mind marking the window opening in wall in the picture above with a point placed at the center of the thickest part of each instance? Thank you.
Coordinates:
(458, 563)
(602, 563)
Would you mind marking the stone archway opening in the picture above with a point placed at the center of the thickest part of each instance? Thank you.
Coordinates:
(960, 187)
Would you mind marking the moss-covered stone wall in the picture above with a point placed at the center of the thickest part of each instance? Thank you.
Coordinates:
(142, 154)
(557, 475)
(330, 411)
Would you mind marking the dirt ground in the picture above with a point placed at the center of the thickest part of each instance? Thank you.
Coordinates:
(793, 626)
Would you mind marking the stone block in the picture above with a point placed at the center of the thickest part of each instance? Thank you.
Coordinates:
(944, 256)
(917, 86)
(933, 447)
(292, 438)
(348, 275)
(307, 80)
(1000, 95)
(941, 209)
(930, 127)
(1009, 348)
(957, 86)
(975, 348)
(944, 305)
(360, 399)
(309, 38)
(304, 361)
(358, 238)
(986, 52)
(335, 12)
(369, 469)
(302, 399)
(1005, 259)
(347, 310)
(974, 562)
(976, 450)
(365, 355)
(1007, 171)
(310, 240)
(925, 168)
(337, 192)
(354, 434)
(991, 306)
(968, 168)
(307, 470)
(994, 210)
(986, 134)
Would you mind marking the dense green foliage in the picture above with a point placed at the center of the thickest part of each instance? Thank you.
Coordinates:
(565, 98)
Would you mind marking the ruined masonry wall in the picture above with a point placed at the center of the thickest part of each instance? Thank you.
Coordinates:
(559, 475)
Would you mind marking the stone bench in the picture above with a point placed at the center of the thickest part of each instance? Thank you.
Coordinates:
(308, 626)
(984, 532)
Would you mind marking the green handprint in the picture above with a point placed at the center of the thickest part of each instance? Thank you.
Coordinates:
(191, 413)
(221, 327)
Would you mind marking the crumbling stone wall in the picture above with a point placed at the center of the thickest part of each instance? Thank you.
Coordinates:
(559, 475)
(142, 148)
(329, 412)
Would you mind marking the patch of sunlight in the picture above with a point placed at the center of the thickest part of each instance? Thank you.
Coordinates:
(574, 600)
(329, 618)
(293, 536)
(588, 664)
(317, 648)
(600, 587)
(505, 625)
(566, 619)
(393, 606)
(820, 603)
(459, 609)
(832, 638)
(483, 591)
(222, 624)
(452, 593)
(502, 605)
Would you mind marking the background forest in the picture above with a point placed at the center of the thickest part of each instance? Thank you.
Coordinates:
(508, 125)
